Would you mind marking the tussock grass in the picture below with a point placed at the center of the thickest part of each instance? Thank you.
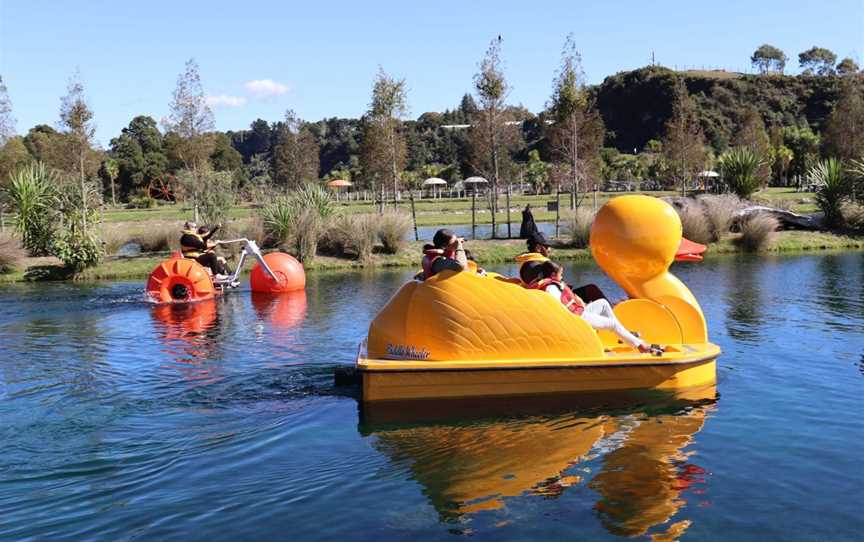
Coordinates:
(853, 217)
(694, 222)
(580, 226)
(12, 254)
(757, 232)
(393, 230)
(719, 212)
(354, 235)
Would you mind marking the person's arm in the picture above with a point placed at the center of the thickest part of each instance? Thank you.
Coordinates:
(211, 232)
(461, 259)
(446, 264)
(555, 292)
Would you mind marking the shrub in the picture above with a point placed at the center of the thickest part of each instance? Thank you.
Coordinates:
(77, 250)
(741, 169)
(158, 239)
(694, 223)
(720, 213)
(835, 187)
(853, 217)
(31, 193)
(580, 225)
(11, 253)
(112, 240)
(141, 202)
(217, 197)
(393, 228)
(299, 220)
(757, 231)
(278, 220)
(355, 234)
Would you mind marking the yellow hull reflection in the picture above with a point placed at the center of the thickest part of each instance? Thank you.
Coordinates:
(472, 464)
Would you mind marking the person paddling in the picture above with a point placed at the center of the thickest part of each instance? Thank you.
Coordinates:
(195, 244)
(446, 253)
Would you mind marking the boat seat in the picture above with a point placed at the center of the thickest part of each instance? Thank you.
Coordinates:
(589, 293)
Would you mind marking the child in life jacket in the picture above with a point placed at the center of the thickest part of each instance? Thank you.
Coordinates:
(445, 253)
(598, 313)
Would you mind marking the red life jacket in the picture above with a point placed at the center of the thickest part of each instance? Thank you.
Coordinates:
(569, 299)
(429, 257)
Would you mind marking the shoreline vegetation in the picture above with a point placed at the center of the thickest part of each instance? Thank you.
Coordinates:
(487, 252)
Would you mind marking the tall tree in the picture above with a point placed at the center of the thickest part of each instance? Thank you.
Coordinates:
(110, 171)
(683, 142)
(140, 154)
(76, 118)
(844, 132)
(388, 106)
(847, 66)
(7, 121)
(489, 132)
(295, 154)
(190, 118)
(576, 125)
(817, 60)
(768, 58)
(752, 134)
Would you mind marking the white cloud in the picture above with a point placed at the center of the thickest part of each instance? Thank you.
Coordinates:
(224, 100)
(265, 87)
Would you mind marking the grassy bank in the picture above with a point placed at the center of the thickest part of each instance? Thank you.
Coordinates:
(487, 252)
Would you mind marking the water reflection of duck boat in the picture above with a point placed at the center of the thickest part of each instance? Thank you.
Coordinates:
(460, 334)
(470, 465)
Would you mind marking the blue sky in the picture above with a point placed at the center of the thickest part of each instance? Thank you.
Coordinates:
(319, 58)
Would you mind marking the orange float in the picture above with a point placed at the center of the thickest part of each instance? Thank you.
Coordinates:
(286, 310)
(289, 274)
(180, 280)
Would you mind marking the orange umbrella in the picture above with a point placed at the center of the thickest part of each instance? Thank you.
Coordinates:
(338, 183)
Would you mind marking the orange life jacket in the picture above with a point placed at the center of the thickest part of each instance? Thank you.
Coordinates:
(569, 299)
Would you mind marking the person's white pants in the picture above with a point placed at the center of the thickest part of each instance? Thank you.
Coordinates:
(599, 315)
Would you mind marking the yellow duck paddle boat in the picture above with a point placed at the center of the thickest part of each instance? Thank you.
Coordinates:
(459, 334)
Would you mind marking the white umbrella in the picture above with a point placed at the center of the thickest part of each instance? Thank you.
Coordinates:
(475, 180)
(434, 181)
(708, 173)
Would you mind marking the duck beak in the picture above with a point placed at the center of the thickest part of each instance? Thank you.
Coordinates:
(688, 251)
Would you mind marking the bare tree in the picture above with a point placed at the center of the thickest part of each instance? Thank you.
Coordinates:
(488, 128)
(190, 118)
(76, 119)
(683, 142)
(7, 121)
(383, 154)
(295, 154)
(576, 133)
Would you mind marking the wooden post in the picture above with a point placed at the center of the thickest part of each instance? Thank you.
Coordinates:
(557, 210)
(509, 189)
(414, 215)
(595, 198)
(473, 210)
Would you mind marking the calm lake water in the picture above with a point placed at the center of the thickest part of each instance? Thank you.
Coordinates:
(125, 421)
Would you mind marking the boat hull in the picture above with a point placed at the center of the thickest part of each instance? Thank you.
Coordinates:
(684, 367)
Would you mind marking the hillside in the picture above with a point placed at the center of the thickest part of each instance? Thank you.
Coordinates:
(636, 104)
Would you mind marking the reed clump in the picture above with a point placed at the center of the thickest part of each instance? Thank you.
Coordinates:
(757, 231)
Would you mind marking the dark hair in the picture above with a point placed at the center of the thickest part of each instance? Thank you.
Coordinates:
(202, 230)
(529, 271)
(427, 246)
(549, 268)
(469, 256)
(442, 238)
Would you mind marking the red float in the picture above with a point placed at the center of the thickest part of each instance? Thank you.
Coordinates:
(289, 273)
